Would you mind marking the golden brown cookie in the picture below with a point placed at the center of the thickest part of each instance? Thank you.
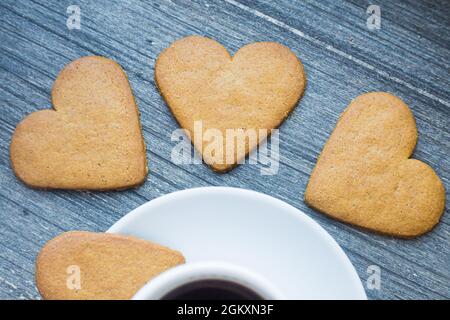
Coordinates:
(364, 175)
(88, 265)
(91, 140)
(255, 89)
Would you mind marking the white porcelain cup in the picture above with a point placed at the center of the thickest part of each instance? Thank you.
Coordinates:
(179, 276)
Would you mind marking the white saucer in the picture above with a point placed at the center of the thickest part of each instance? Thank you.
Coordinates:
(252, 230)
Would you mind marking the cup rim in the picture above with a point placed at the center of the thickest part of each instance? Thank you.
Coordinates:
(180, 275)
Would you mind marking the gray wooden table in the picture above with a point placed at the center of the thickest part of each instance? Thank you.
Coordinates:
(409, 56)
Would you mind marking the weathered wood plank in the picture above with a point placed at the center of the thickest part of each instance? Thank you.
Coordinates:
(409, 56)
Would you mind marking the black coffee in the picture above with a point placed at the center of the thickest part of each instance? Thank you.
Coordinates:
(212, 290)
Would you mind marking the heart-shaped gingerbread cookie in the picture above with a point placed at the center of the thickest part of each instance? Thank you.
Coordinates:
(210, 92)
(364, 175)
(91, 140)
(91, 266)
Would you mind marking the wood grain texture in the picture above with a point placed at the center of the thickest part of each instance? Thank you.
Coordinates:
(409, 57)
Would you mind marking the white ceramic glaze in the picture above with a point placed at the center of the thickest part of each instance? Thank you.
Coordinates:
(191, 272)
(251, 230)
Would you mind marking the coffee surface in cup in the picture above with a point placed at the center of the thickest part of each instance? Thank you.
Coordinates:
(212, 290)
